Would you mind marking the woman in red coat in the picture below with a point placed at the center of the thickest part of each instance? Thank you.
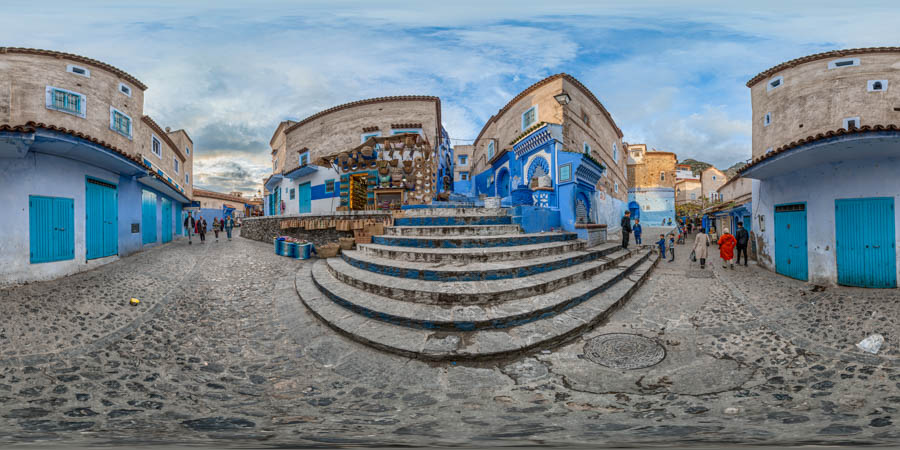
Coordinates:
(726, 248)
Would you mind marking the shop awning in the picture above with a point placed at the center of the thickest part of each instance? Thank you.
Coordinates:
(301, 171)
(151, 180)
(273, 181)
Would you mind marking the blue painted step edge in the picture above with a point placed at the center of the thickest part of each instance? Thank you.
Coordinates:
(487, 241)
(493, 274)
(438, 221)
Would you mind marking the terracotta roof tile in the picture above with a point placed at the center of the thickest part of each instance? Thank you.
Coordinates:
(396, 98)
(369, 129)
(819, 137)
(815, 57)
(32, 126)
(164, 136)
(549, 79)
(93, 62)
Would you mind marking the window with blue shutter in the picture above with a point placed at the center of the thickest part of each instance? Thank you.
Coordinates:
(51, 228)
(66, 101)
(119, 122)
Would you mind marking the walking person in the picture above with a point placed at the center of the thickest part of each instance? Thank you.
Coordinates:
(201, 229)
(626, 229)
(701, 244)
(743, 238)
(726, 248)
(637, 231)
(229, 225)
(189, 226)
(217, 226)
(671, 248)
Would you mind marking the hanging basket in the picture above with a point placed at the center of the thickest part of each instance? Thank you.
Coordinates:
(394, 163)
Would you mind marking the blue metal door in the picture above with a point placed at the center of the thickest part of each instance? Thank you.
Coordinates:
(166, 220)
(51, 223)
(305, 194)
(790, 241)
(101, 219)
(865, 244)
(148, 216)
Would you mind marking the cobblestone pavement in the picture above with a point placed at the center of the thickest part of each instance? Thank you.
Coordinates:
(222, 352)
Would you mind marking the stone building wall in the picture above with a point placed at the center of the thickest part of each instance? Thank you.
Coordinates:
(582, 119)
(741, 187)
(684, 189)
(647, 173)
(708, 184)
(183, 141)
(264, 229)
(815, 98)
(342, 128)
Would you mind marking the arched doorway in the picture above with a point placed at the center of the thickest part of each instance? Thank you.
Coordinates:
(503, 183)
(635, 209)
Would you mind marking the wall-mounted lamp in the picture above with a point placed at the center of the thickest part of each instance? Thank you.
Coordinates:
(562, 98)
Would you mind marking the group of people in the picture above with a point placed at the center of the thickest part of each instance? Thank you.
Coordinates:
(198, 226)
(727, 242)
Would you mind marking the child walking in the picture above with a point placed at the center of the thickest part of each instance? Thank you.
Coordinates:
(661, 243)
(636, 229)
(671, 248)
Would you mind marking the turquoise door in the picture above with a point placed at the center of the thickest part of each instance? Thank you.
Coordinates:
(790, 241)
(148, 217)
(166, 220)
(865, 243)
(305, 197)
(101, 219)
(51, 223)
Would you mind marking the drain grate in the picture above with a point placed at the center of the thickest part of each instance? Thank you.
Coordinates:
(624, 351)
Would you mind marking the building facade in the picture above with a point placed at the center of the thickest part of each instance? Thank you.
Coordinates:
(825, 139)
(556, 130)
(688, 191)
(298, 185)
(462, 168)
(684, 172)
(711, 179)
(87, 176)
(211, 204)
(735, 206)
(651, 184)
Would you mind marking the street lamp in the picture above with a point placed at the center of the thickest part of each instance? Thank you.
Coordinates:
(562, 98)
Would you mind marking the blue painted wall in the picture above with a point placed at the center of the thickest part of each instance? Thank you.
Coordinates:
(660, 200)
(533, 219)
(129, 213)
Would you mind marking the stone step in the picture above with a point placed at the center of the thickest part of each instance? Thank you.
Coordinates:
(450, 212)
(470, 317)
(493, 270)
(483, 344)
(472, 241)
(455, 220)
(470, 292)
(471, 255)
(457, 230)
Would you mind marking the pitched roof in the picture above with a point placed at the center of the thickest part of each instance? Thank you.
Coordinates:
(549, 79)
(395, 98)
(815, 57)
(818, 137)
(281, 125)
(164, 136)
(218, 195)
(82, 59)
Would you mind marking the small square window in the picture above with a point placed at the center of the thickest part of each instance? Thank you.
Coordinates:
(851, 122)
(292, 193)
(78, 70)
(463, 159)
(490, 149)
(775, 83)
(123, 88)
(662, 176)
(565, 173)
(119, 122)
(304, 158)
(187, 151)
(329, 186)
(877, 85)
(156, 146)
(66, 101)
(529, 117)
(768, 119)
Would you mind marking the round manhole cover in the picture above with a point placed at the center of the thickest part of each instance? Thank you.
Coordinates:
(624, 351)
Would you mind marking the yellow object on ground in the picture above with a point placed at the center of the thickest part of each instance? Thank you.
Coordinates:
(134, 301)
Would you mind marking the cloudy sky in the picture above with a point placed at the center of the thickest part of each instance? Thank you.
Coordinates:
(671, 73)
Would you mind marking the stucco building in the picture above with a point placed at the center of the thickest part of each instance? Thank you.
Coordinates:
(86, 176)
(559, 129)
(688, 191)
(651, 184)
(711, 179)
(462, 168)
(825, 140)
(298, 185)
(211, 204)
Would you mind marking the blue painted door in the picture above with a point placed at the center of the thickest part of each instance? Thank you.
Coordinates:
(166, 220)
(865, 244)
(790, 241)
(148, 216)
(51, 223)
(503, 184)
(101, 220)
(305, 198)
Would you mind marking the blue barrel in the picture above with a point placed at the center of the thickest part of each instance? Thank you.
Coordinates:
(279, 246)
(303, 251)
(290, 249)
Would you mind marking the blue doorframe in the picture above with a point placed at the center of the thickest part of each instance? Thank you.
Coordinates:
(148, 217)
(791, 257)
(865, 242)
(304, 194)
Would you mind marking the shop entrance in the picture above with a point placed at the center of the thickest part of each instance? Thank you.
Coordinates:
(359, 193)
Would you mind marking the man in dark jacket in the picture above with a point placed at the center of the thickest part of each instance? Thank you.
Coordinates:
(189, 226)
(626, 229)
(743, 238)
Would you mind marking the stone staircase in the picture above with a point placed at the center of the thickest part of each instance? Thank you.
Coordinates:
(466, 284)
